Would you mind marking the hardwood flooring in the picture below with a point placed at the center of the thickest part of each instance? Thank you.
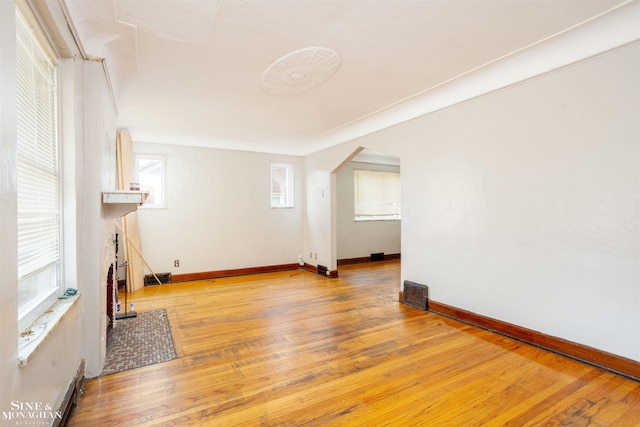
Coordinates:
(297, 349)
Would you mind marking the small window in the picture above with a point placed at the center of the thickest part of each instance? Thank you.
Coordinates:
(149, 174)
(376, 195)
(281, 185)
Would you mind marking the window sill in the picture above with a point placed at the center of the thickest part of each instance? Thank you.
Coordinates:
(37, 332)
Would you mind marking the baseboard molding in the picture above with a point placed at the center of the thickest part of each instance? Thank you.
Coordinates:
(234, 272)
(346, 261)
(71, 398)
(602, 359)
(311, 268)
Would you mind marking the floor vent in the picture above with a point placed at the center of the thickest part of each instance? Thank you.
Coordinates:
(415, 295)
(377, 257)
(150, 280)
(322, 270)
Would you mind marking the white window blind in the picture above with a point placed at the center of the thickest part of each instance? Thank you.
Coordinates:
(37, 171)
(376, 195)
(281, 185)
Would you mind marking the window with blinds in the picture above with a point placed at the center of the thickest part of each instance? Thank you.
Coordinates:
(39, 226)
(376, 195)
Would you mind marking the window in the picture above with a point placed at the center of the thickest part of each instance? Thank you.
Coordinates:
(149, 173)
(281, 185)
(38, 175)
(376, 195)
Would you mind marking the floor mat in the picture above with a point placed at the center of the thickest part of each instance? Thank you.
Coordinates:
(139, 341)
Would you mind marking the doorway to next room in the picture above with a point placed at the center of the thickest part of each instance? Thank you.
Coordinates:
(368, 208)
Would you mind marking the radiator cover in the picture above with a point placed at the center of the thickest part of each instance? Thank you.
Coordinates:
(415, 295)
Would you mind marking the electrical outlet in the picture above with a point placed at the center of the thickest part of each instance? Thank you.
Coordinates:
(176, 263)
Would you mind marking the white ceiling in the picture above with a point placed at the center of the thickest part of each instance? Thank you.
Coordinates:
(192, 69)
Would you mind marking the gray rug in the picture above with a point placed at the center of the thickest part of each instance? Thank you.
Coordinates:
(139, 341)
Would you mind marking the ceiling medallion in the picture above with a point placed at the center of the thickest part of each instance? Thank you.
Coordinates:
(300, 70)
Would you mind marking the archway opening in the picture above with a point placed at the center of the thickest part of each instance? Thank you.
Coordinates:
(367, 211)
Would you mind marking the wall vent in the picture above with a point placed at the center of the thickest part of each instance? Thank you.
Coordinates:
(322, 270)
(150, 280)
(377, 257)
(415, 295)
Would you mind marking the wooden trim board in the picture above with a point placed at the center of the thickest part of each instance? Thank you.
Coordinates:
(358, 260)
(175, 278)
(314, 269)
(233, 272)
(602, 359)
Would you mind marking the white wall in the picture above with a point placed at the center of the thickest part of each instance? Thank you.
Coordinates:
(356, 239)
(321, 202)
(522, 205)
(218, 214)
(8, 205)
(96, 170)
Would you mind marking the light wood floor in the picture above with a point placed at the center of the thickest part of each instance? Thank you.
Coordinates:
(297, 349)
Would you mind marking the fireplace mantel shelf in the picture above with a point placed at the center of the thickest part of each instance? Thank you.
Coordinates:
(119, 203)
